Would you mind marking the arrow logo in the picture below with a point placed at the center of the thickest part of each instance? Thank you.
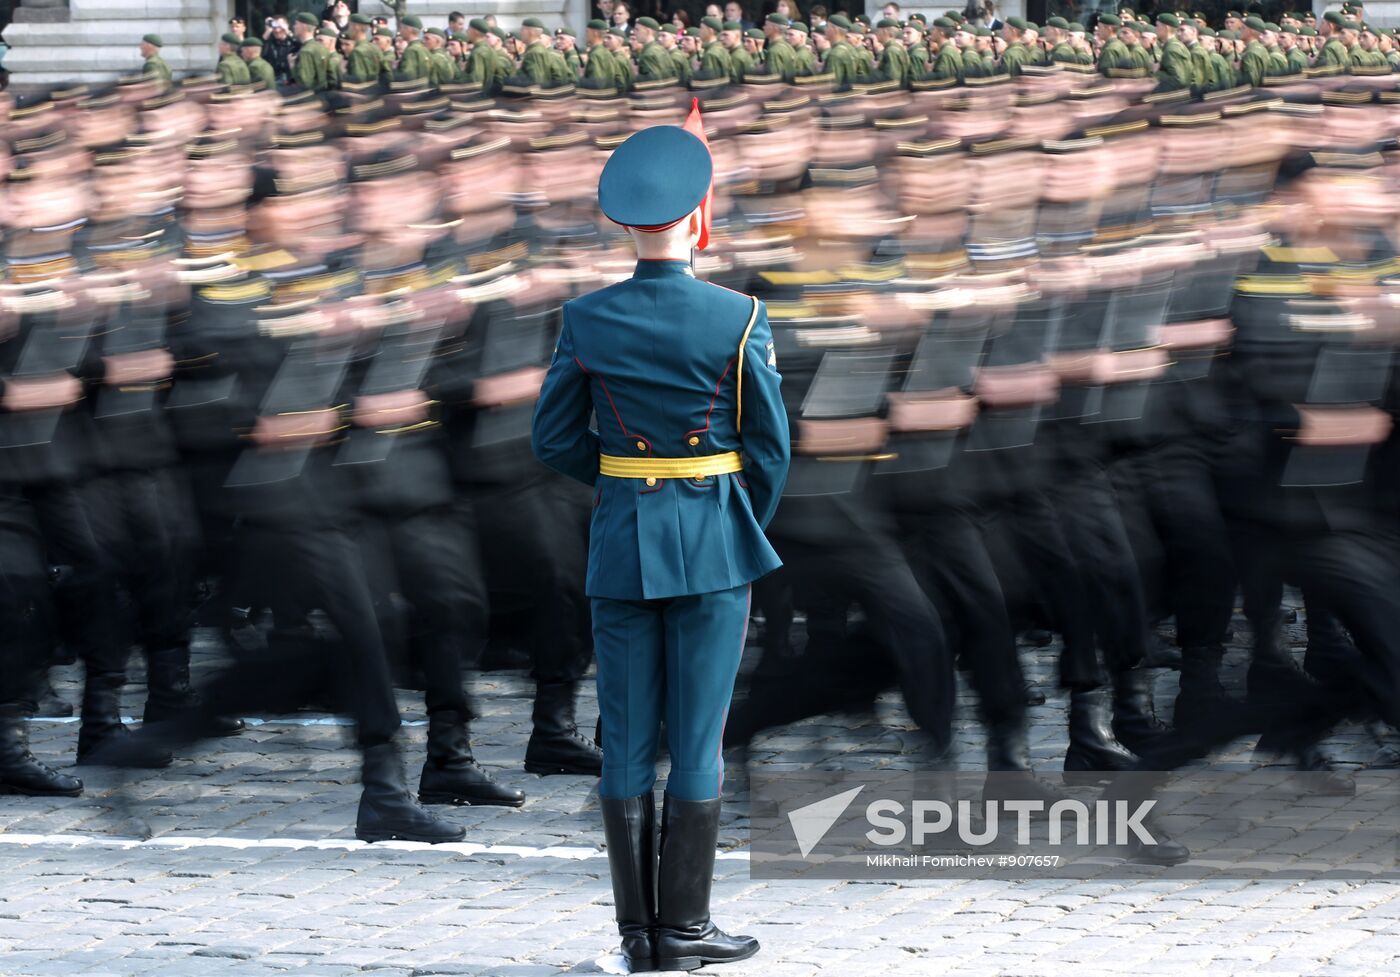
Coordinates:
(811, 823)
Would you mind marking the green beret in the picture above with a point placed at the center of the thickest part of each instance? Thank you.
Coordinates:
(438, 31)
(731, 25)
(669, 28)
(532, 22)
(1018, 23)
(1075, 28)
(778, 19)
(1269, 25)
(648, 22)
(565, 30)
(1289, 29)
(955, 16)
(945, 23)
(1234, 13)
(479, 25)
(498, 30)
(328, 32)
(1333, 17)
(1057, 22)
(230, 39)
(360, 19)
(411, 21)
(839, 21)
(1170, 19)
(1229, 35)
(983, 32)
(459, 37)
(597, 25)
(306, 18)
(251, 42)
(692, 32)
(1206, 31)
(1032, 26)
(1255, 23)
(862, 19)
(153, 39)
(1307, 32)
(755, 33)
(383, 32)
(1111, 20)
(886, 23)
(800, 27)
(713, 23)
(617, 32)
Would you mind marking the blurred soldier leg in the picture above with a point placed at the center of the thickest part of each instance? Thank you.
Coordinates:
(147, 526)
(86, 616)
(1084, 501)
(25, 602)
(439, 573)
(677, 659)
(535, 542)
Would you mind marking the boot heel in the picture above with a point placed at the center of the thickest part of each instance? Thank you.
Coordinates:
(679, 963)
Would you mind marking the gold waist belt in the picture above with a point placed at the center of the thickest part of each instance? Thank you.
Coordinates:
(700, 467)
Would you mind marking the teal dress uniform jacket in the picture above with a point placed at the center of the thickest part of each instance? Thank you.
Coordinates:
(657, 359)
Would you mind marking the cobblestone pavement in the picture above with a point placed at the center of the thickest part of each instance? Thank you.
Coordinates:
(253, 870)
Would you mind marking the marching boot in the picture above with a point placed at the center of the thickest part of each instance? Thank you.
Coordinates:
(451, 774)
(556, 745)
(629, 827)
(103, 739)
(1324, 778)
(1200, 694)
(50, 704)
(1094, 753)
(1135, 723)
(388, 811)
(20, 772)
(686, 938)
(169, 693)
(1008, 756)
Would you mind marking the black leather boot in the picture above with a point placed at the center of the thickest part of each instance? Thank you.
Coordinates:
(1135, 723)
(1009, 767)
(451, 774)
(169, 693)
(49, 703)
(629, 827)
(1163, 849)
(1201, 694)
(20, 772)
(1094, 752)
(103, 739)
(387, 810)
(556, 745)
(686, 938)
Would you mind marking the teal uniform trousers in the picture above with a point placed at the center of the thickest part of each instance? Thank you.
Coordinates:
(676, 371)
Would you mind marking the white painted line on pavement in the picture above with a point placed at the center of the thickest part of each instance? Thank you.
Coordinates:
(250, 720)
(183, 842)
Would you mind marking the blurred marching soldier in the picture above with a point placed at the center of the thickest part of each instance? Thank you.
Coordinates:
(527, 524)
(677, 532)
(50, 461)
(279, 326)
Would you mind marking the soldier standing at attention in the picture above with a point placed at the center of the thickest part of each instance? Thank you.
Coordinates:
(600, 69)
(1176, 59)
(364, 63)
(1113, 53)
(894, 59)
(653, 63)
(714, 55)
(782, 58)
(231, 69)
(311, 70)
(415, 62)
(841, 59)
(689, 462)
(566, 43)
(154, 65)
(259, 71)
(542, 63)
